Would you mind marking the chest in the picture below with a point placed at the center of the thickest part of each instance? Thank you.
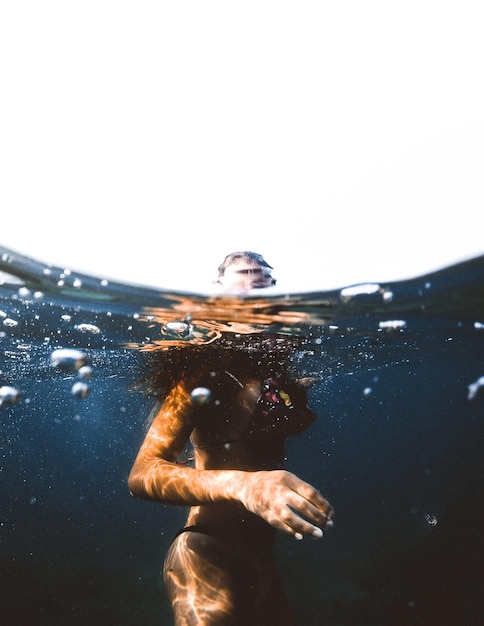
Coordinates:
(228, 414)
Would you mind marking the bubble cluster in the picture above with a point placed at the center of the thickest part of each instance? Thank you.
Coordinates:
(73, 360)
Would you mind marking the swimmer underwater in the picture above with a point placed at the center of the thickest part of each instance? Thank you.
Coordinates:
(219, 568)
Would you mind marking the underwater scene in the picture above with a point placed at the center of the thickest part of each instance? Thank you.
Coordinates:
(397, 446)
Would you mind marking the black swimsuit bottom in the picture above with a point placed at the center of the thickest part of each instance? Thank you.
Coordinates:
(254, 574)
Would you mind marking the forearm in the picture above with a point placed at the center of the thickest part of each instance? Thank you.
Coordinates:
(279, 497)
(171, 483)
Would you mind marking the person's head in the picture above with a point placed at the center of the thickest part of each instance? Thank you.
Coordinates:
(241, 271)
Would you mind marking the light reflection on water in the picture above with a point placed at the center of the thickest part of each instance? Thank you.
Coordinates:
(397, 447)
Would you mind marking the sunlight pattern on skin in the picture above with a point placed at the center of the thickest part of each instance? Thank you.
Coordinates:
(156, 475)
(196, 599)
(237, 587)
(249, 498)
(219, 568)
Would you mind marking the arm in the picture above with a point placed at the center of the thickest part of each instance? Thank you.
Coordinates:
(277, 496)
(155, 474)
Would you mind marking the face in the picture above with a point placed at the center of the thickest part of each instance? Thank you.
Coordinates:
(244, 275)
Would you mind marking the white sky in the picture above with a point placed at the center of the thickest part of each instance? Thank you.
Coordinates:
(144, 141)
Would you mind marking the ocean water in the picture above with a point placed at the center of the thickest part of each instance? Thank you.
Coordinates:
(397, 447)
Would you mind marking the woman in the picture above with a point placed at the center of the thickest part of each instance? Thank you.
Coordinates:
(236, 403)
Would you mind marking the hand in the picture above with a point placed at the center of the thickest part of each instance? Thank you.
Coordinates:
(286, 502)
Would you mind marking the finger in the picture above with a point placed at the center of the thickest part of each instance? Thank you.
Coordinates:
(300, 530)
(308, 492)
(283, 518)
(290, 527)
(307, 509)
(298, 524)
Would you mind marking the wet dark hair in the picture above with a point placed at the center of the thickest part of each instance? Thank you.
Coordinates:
(263, 355)
(246, 255)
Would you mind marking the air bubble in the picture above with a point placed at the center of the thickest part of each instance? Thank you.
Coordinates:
(10, 323)
(475, 389)
(392, 324)
(388, 296)
(88, 328)
(9, 395)
(431, 519)
(80, 390)
(68, 359)
(179, 329)
(201, 395)
(85, 372)
(358, 290)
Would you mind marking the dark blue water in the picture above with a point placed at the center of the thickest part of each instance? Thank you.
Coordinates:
(397, 448)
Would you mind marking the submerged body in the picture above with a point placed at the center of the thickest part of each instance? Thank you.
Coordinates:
(236, 406)
(219, 570)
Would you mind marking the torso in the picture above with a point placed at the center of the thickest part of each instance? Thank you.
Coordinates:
(241, 428)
